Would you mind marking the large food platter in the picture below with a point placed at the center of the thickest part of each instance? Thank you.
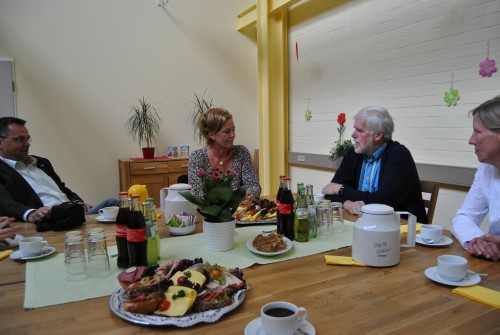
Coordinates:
(118, 298)
(270, 221)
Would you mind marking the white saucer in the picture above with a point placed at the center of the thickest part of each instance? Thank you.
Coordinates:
(255, 328)
(17, 255)
(101, 218)
(445, 240)
(469, 280)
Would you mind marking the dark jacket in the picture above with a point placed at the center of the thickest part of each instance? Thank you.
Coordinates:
(399, 184)
(17, 196)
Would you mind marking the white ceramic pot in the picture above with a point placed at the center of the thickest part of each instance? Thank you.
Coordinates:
(219, 236)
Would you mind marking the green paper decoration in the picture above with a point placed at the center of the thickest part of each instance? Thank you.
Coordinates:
(452, 96)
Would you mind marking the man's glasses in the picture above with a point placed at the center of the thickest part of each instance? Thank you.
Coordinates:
(19, 139)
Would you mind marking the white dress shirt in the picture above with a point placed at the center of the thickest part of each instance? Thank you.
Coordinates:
(483, 197)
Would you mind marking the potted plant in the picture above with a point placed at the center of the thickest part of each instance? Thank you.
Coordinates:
(200, 104)
(217, 206)
(143, 125)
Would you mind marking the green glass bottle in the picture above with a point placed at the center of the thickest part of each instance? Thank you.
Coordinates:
(152, 214)
(152, 252)
(311, 209)
(301, 223)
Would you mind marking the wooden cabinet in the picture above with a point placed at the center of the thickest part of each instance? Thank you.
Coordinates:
(154, 173)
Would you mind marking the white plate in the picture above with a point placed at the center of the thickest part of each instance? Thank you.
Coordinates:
(250, 247)
(271, 221)
(118, 298)
(17, 255)
(469, 280)
(255, 328)
(445, 240)
(101, 218)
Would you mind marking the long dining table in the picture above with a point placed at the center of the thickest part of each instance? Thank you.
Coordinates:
(339, 299)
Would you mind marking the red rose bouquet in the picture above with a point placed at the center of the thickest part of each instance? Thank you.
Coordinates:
(341, 146)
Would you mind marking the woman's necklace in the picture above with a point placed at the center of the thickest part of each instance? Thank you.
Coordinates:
(220, 161)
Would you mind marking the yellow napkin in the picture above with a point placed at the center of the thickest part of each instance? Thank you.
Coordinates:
(404, 228)
(341, 260)
(481, 294)
(4, 254)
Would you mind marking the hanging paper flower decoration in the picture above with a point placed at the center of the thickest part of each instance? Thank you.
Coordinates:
(308, 114)
(451, 97)
(487, 67)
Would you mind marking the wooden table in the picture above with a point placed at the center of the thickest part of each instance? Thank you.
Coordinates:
(340, 299)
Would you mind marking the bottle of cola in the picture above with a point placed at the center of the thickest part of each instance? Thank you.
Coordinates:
(286, 210)
(278, 201)
(137, 241)
(121, 231)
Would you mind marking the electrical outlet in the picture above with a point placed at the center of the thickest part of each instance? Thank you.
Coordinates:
(301, 158)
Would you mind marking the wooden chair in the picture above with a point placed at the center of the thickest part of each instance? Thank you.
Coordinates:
(430, 204)
(256, 161)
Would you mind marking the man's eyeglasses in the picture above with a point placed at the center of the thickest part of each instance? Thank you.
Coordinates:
(19, 139)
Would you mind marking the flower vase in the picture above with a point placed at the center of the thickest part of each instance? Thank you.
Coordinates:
(219, 236)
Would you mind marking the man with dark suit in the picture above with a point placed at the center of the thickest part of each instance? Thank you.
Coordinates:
(29, 185)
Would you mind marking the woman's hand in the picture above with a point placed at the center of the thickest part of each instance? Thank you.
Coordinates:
(487, 246)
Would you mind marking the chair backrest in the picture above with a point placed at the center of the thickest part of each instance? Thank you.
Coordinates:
(256, 161)
(430, 204)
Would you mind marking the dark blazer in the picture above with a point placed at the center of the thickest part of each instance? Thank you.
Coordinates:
(17, 196)
(399, 184)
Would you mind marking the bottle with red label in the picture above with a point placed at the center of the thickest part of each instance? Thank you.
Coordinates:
(286, 210)
(278, 201)
(137, 240)
(121, 231)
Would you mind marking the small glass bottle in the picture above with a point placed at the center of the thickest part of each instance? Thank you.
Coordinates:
(151, 232)
(152, 214)
(311, 209)
(301, 222)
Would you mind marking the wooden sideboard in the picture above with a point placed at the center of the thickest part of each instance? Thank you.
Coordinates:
(154, 173)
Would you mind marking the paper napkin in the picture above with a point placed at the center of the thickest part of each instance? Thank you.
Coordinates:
(4, 254)
(404, 228)
(341, 260)
(481, 294)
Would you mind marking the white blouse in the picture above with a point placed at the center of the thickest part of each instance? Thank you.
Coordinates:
(483, 197)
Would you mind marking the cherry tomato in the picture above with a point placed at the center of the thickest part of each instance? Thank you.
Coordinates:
(164, 305)
(216, 273)
(181, 279)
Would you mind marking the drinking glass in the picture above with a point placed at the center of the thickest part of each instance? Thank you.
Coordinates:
(97, 253)
(337, 217)
(324, 218)
(74, 256)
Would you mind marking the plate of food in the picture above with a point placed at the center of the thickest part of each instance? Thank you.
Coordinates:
(269, 244)
(260, 211)
(180, 293)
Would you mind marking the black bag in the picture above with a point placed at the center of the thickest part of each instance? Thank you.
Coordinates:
(65, 216)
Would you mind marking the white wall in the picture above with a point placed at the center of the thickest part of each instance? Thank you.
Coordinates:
(79, 64)
(399, 54)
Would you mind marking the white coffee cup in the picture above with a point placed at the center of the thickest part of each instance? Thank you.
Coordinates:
(281, 317)
(32, 245)
(431, 232)
(452, 268)
(109, 213)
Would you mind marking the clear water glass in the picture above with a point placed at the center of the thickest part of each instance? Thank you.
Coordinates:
(74, 256)
(97, 253)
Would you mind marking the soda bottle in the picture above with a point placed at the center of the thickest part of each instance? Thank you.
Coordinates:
(136, 234)
(311, 208)
(286, 210)
(154, 223)
(301, 222)
(121, 231)
(278, 201)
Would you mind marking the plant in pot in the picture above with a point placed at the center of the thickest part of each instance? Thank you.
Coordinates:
(200, 104)
(217, 206)
(143, 125)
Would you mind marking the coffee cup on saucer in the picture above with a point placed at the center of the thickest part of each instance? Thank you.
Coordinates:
(109, 213)
(430, 233)
(452, 268)
(31, 246)
(281, 317)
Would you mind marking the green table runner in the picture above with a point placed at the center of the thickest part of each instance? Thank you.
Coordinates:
(47, 283)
